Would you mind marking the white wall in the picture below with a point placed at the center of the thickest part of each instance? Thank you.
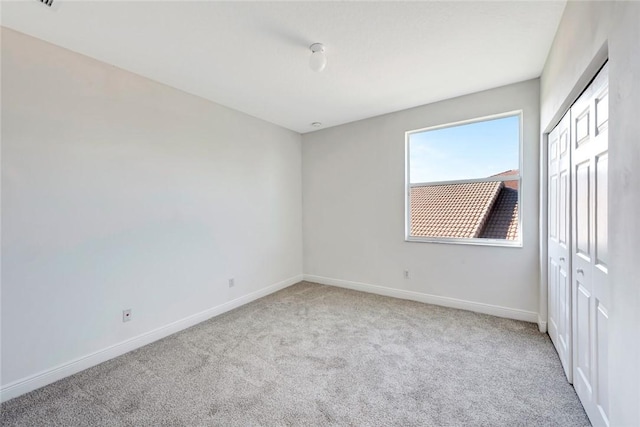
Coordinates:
(586, 30)
(353, 211)
(119, 192)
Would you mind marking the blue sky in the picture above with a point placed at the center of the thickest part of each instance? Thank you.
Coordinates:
(473, 150)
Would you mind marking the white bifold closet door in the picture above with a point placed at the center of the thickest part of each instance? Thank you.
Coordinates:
(577, 246)
(590, 254)
(559, 243)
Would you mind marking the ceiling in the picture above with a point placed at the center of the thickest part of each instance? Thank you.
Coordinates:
(253, 56)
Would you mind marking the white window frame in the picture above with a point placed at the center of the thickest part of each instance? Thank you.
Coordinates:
(460, 240)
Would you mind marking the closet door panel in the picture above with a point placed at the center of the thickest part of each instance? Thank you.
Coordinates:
(564, 317)
(582, 208)
(602, 182)
(558, 243)
(589, 273)
(564, 234)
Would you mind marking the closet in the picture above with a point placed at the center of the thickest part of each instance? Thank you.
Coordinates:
(577, 179)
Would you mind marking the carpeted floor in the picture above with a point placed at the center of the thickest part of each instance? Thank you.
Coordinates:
(319, 355)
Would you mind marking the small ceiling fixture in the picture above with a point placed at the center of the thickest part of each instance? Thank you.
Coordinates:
(318, 59)
(47, 2)
(316, 124)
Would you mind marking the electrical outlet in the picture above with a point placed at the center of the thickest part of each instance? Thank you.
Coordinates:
(232, 282)
(406, 274)
(126, 315)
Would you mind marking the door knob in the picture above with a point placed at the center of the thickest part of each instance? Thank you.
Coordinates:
(580, 271)
(561, 258)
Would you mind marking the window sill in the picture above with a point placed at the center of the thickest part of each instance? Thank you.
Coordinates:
(461, 241)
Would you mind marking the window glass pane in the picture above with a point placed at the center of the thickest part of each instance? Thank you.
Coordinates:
(467, 151)
(465, 181)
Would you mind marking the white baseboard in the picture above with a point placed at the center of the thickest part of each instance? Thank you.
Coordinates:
(542, 325)
(494, 310)
(49, 376)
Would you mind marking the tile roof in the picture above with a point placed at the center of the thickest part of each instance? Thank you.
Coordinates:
(503, 221)
(509, 184)
(452, 210)
(465, 210)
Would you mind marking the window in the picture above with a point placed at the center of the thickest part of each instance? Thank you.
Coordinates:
(463, 182)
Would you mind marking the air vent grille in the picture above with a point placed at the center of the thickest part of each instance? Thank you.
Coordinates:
(47, 2)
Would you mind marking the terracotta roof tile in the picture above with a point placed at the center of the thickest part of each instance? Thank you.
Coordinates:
(452, 210)
(503, 221)
(466, 210)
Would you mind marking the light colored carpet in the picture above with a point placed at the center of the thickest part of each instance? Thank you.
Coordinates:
(319, 355)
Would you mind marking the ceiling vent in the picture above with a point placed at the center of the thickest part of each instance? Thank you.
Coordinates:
(47, 2)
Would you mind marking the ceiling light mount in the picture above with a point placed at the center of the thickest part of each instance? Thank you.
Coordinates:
(318, 58)
(316, 124)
